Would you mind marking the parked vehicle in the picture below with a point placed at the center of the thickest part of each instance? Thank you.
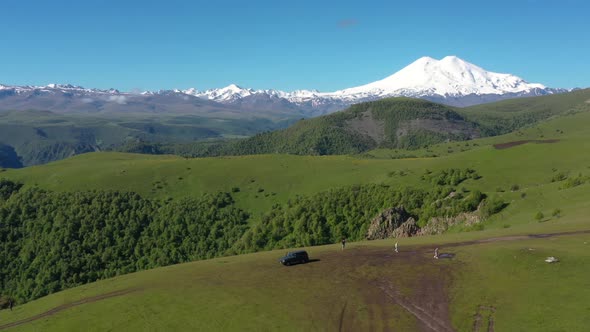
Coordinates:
(295, 257)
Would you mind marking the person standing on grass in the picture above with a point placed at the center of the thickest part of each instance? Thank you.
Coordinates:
(10, 304)
(396, 247)
(343, 243)
(436, 253)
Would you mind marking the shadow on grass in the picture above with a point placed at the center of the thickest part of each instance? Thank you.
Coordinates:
(446, 255)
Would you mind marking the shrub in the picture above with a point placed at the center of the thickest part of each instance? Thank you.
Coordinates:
(451, 176)
(539, 216)
(492, 206)
(514, 187)
(573, 182)
(559, 177)
(556, 213)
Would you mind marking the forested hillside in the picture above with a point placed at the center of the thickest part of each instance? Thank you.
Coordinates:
(388, 123)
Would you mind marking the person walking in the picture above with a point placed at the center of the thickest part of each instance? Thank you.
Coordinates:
(343, 243)
(396, 247)
(436, 253)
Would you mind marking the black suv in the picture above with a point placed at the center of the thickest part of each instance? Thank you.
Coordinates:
(295, 257)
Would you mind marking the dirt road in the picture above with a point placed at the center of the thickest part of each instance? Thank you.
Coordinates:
(67, 306)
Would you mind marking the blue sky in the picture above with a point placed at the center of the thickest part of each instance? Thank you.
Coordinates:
(324, 45)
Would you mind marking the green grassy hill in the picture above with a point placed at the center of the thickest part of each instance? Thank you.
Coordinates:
(528, 165)
(278, 201)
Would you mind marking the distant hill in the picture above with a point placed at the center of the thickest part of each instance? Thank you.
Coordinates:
(394, 123)
(508, 115)
(38, 137)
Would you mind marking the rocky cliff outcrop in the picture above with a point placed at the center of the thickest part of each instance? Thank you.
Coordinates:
(407, 229)
(397, 222)
(384, 224)
(439, 225)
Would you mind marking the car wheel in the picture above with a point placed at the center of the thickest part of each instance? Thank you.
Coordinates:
(287, 263)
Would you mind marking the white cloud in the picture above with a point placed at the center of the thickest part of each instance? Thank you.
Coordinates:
(121, 100)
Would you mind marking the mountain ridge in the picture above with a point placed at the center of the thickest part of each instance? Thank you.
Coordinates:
(451, 81)
(445, 80)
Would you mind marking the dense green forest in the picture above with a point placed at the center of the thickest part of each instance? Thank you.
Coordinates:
(56, 240)
(52, 241)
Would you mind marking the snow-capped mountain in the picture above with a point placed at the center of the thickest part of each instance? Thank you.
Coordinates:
(450, 80)
(53, 88)
(450, 76)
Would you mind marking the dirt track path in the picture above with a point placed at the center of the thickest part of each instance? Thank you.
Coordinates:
(429, 304)
(67, 306)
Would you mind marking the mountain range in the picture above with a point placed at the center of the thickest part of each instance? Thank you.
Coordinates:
(451, 81)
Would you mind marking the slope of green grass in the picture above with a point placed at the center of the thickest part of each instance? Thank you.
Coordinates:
(527, 293)
(509, 115)
(253, 292)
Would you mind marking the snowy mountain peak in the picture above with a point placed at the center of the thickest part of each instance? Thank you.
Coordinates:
(229, 93)
(233, 87)
(448, 77)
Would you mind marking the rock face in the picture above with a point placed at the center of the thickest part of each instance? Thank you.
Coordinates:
(384, 225)
(397, 222)
(407, 229)
(439, 225)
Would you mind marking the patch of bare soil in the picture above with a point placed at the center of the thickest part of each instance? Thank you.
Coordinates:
(387, 287)
(428, 301)
(440, 126)
(512, 144)
(67, 306)
(366, 124)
